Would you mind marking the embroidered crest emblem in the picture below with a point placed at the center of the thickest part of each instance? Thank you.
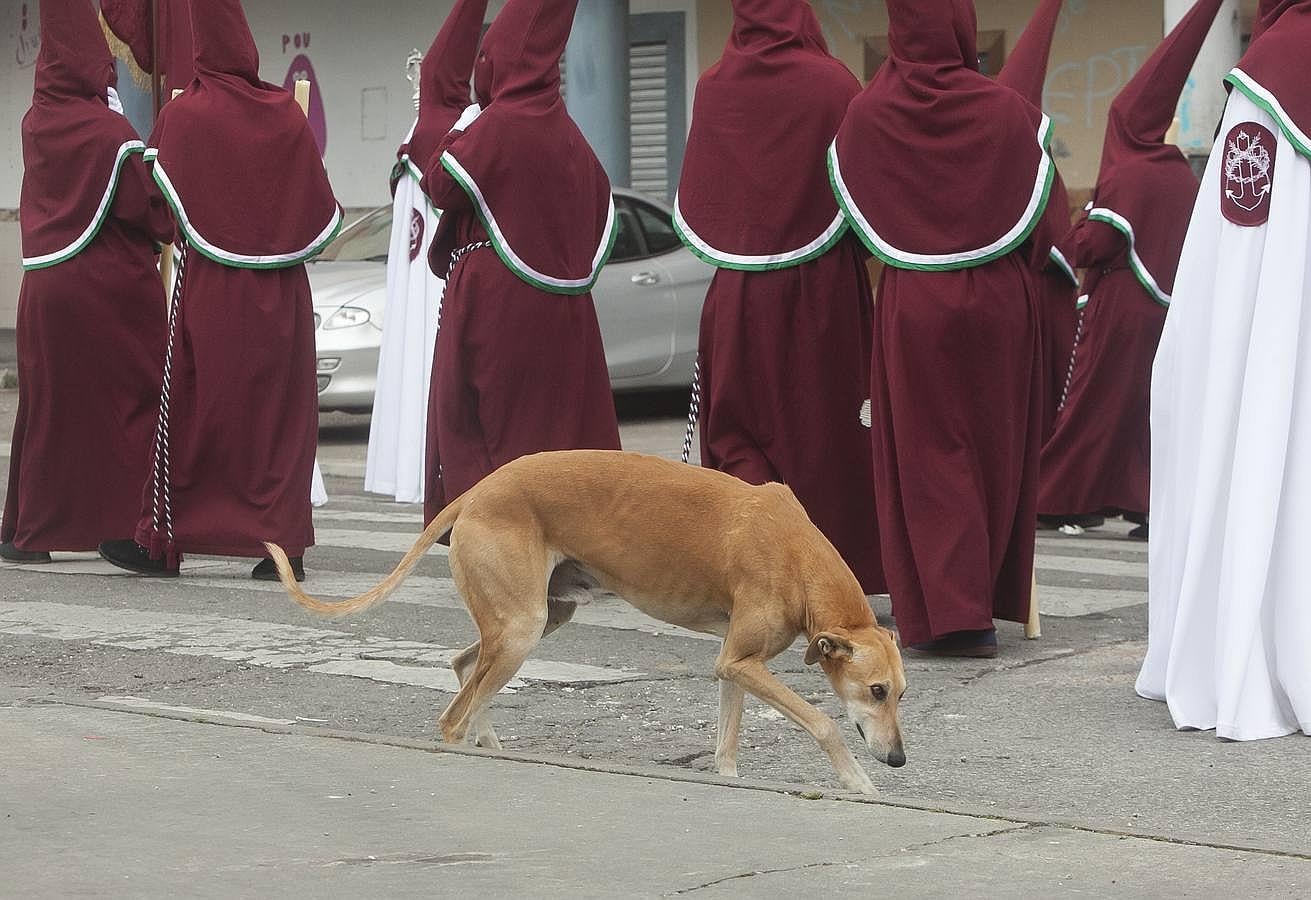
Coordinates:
(416, 234)
(1249, 172)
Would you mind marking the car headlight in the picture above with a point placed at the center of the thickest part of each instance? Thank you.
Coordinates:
(347, 317)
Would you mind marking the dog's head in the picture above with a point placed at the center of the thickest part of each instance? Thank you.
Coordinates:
(864, 667)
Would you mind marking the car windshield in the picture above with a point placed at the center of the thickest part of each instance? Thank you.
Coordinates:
(365, 240)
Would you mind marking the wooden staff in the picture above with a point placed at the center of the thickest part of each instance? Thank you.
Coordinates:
(166, 255)
(1033, 627)
(156, 77)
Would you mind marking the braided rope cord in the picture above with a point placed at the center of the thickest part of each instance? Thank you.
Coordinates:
(693, 412)
(162, 475)
(456, 256)
(1074, 355)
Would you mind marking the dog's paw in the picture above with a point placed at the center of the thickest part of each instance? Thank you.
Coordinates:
(860, 783)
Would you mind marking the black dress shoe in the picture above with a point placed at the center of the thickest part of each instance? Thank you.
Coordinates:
(969, 644)
(135, 558)
(267, 570)
(1139, 533)
(10, 553)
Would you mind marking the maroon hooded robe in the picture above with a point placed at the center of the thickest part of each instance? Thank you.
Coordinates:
(945, 175)
(1098, 459)
(785, 331)
(91, 308)
(1025, 71)
(239, 418)
(519, 366)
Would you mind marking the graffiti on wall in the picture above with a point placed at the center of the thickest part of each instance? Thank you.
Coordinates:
(1079, 92)
(301, 69)
(29, 35)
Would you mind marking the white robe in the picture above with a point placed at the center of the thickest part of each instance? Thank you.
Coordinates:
(398, 430)
(1230, 600)
(318, 490)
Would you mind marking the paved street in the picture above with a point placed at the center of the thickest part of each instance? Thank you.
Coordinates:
(206, 736)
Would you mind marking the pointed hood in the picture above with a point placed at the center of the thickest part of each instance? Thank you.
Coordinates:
(520, 58)
(761, 24)
(1025, 70)
(223, 42)
(1268, 12)
(128, 22)
(74, 60)
(1145, 108)
(537, 186)
(754, 191)
(1276, 68)
(1146, 188)
(444, 80)
(236, 158)
(813, 31)
(74, 145)
(937, 166)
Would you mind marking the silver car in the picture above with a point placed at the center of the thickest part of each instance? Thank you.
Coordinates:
(648, 301)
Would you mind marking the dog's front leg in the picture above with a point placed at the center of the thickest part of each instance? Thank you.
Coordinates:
(731, 697)
(752, 675)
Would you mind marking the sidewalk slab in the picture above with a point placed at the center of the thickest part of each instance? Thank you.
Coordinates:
(105, 802)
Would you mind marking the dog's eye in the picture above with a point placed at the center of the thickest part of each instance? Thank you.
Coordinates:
(880, 692)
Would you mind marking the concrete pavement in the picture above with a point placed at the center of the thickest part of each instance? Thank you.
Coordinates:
(205, 737)
(162, 807)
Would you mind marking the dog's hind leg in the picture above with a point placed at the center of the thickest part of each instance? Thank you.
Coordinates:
(504, 647)
(480, 725)
(558, 613)
(731, 698)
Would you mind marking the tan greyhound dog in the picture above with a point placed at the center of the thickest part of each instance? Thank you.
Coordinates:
(690, 546)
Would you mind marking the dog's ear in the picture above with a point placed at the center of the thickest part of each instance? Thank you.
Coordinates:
(828, 646)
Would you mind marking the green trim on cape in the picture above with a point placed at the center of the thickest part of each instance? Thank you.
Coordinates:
(511, 260)
(1136, 264)
(48, 260)
(1270, 103)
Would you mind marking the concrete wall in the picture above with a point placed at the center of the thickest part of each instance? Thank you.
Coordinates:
(1098, 47)
(356, 54)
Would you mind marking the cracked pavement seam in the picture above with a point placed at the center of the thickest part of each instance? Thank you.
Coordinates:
(851, 862)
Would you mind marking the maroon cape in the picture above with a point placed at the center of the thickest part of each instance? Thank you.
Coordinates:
(957, 377)
(91, 308)
(1025, 72)
(544, 201)
(1099, 455)
(750, 197)
(519, 367)
(784, 345)
(239, 418)
(915, 193)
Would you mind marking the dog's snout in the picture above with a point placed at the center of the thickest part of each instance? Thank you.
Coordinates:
(897, 758)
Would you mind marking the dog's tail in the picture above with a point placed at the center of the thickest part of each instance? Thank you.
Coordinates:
(384, 589)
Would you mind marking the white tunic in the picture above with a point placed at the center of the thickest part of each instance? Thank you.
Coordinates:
(398, 429)
(1230, 555)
